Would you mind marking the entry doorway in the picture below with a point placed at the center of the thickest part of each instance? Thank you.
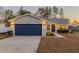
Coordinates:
(53, 27)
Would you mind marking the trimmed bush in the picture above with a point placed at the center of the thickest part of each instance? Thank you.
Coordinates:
(49, 34)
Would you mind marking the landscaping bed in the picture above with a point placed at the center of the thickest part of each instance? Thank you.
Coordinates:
(68, 44)
(4, 35)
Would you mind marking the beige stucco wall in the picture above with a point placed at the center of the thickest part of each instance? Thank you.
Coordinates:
(12, 23)
(44, 27)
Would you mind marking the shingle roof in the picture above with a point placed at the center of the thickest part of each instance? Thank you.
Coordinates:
(60, 20)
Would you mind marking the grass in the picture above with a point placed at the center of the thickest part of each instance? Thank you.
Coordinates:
(68, 44)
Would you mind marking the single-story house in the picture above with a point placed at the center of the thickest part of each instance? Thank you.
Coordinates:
(32, 25)
(3, 29)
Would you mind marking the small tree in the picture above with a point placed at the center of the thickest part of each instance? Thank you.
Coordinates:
(8, 13)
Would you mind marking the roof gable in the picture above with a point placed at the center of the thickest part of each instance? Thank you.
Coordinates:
(28, 19)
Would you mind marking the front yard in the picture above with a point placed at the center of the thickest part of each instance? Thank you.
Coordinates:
(68, 44)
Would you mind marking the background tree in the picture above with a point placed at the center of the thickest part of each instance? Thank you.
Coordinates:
(50, 11)
(55, 11)
(61, 13)
(38, 11)
(23, 11)
(1, 10)
(47, 11)
(44, 11)
(8, 13)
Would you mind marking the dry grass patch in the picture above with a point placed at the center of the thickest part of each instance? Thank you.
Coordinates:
(68, 44)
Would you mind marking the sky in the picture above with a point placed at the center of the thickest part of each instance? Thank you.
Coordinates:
(69, 11)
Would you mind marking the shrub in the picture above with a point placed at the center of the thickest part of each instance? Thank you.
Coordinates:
(49, 34)
(63, 31)
(71, 31)
(10, 33)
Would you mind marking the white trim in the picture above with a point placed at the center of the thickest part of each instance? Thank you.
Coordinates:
(14, 31)
(32, 15)
(56, 28)
(50, 25)
(44, 30)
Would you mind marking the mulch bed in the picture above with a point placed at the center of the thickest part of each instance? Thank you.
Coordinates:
(68, 44)
(3, 36)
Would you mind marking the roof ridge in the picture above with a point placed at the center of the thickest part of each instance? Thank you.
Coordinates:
(33, 15)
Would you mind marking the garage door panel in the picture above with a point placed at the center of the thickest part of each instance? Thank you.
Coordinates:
(28, 29)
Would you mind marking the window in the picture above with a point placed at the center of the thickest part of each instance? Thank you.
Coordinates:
(62, 27)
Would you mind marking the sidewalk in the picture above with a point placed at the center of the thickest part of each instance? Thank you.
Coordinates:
(58, 35)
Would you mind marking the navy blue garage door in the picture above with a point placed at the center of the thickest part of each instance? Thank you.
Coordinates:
(28, 29)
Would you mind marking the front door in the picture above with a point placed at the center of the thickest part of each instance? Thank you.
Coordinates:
(53, 27)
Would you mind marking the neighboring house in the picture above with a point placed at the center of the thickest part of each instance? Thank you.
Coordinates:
(3, 29)
(32, 25)
(1, 19)
(74, 25)
(74, 28)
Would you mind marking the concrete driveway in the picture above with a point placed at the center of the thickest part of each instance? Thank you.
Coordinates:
(20, 44)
